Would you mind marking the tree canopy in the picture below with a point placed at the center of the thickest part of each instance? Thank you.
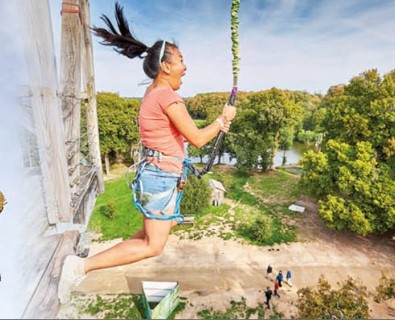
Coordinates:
(323, 302)
(118, 120)
(353, 175)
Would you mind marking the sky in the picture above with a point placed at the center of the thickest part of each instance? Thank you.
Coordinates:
(306, 45)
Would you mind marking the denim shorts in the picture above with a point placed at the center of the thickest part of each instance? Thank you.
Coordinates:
(159, 188)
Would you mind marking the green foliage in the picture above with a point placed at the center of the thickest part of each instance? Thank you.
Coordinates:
(120, 306)
(286, 138)
(127, 219)
(196, 196)
(317, 120)
(310, 104)
(250, 205)
(118, 119)
(386, 288)
(108, 209)
(234, 183)
(315, 177)
(206, 105)
(363, 110)
(266, 120)
(269, 196)
(261, 119)
(266, 229)
(348, 302)
(281, 186)
(237, 310)
(354, 174)
(308, 137)
(261, 229)
(340, 214)
(197, 152)
(358, 194)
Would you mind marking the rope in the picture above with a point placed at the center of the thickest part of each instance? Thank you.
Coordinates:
(234, 13)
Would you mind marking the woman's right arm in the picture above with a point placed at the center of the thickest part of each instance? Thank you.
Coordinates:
(181, 119)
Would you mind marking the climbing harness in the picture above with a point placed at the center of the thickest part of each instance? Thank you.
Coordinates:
(138, 191)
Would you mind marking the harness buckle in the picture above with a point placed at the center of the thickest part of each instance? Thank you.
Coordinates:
(181, 183)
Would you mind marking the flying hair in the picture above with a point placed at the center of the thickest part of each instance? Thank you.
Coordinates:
(123, 41)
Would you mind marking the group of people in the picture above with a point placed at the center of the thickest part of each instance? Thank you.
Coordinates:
(278, 282)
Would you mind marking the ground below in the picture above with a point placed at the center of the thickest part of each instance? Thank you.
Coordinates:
(212, 271)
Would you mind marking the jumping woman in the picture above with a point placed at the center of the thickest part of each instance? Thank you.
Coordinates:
(164, 126)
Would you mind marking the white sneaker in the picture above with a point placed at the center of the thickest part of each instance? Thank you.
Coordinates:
(72, 275)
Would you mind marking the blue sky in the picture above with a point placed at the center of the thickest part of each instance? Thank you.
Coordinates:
(289, 44)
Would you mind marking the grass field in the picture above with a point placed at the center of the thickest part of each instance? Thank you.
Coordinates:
(257, 195)
(250, 197)
(126, 219)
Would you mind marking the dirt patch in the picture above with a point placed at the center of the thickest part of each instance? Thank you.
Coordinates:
(213, 271)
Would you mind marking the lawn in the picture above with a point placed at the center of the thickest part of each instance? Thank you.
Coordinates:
(258, 195)
(126, 219)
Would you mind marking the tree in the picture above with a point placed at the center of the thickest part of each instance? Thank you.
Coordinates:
(259, 123)
(196, 152)
(118, 120)
(353, 175)
(363, 110)
(286, 140)
(348, 302)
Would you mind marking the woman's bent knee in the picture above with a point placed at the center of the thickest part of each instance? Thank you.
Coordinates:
(154, 251)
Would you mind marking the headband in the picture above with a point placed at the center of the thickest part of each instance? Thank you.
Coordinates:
(162, 51)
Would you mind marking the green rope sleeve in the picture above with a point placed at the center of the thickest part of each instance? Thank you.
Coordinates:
(234, 13)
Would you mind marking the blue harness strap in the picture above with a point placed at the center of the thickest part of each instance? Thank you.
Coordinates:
(137, 187)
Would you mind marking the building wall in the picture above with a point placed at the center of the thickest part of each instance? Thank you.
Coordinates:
(28, 244)
(24, 248)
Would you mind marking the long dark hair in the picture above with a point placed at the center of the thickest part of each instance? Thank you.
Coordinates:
(128, 45)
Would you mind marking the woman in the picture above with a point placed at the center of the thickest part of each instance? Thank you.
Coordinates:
(164, 125)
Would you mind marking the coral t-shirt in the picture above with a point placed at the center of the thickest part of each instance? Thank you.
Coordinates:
(156, 130)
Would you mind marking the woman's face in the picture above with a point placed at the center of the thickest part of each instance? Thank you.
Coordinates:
(177, 69)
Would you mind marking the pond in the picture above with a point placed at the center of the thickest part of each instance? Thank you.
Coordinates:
(292, 156)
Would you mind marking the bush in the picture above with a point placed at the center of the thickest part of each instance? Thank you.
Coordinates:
(386, 288)
(108, 209)
(236, 310)
(196, 196)
(261, 229)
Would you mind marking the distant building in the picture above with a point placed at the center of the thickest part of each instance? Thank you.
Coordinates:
(217, 192)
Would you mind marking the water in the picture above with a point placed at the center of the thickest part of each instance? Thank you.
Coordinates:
(292, 156)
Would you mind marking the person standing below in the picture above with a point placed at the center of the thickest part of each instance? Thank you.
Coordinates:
(276, 288)
(269, 271)
(268, 295)
(164, 126)
(280, 278)
(288, 277)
